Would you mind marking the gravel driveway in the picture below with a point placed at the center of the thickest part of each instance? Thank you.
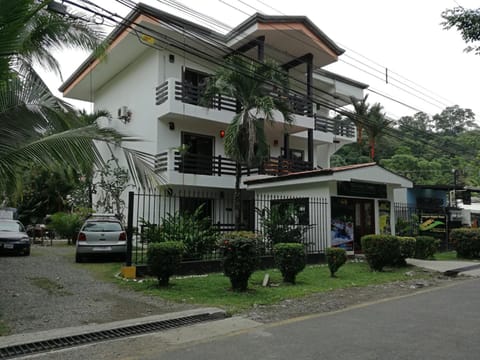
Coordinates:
(48, 290)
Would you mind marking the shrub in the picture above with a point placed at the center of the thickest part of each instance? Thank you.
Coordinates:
(196, 232)
(380, 250)
(336, 257)
(66, 225)
(163, 259)
(240, 258)
(290, 260)
(407, 249)
(425, 247)
(279, 225)
(466, 242)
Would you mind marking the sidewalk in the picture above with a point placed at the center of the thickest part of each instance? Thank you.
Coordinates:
(451, 268)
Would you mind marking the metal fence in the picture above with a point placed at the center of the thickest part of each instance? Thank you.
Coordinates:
(406, 218)
(196, 216)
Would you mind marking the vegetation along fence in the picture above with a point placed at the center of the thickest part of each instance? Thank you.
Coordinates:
(201, 218)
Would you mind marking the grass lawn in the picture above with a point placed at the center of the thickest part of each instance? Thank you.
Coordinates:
(214, 289)
(446, 255)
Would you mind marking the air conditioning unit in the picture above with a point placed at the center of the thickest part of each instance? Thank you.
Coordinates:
(122, 112)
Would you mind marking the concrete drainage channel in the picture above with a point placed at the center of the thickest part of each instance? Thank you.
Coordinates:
(61, 342)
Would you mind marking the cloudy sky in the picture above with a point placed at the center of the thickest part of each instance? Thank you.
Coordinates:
(428, 69)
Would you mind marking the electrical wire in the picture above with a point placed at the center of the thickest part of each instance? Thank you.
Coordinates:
(195, 54)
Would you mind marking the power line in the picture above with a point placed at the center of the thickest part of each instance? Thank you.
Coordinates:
(171, 42)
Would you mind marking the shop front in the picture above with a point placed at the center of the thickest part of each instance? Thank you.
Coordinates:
(360, 200)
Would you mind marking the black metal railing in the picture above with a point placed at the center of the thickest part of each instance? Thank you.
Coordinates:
(337, 127)
(161, 162)
(194, 95)
(154, 210)
(220, 165)
(161, 93)
(299, 104)
(279, 166)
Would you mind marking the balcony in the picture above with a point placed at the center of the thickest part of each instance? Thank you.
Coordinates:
(219, 165)
(337, 127)
(185, 93)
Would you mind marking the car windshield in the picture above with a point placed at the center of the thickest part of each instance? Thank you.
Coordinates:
(102, 226)
(10, 226)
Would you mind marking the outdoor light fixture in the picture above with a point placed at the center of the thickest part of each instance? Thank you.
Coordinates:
(275, 142)
(171, 125)
(222, 133)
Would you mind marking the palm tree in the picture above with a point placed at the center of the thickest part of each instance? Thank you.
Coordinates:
(258, 89)
(359, 117)
(35, 126)
(375, 126)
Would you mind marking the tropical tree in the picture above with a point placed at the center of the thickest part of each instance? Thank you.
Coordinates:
(467, 21)
(35, 126)
(258, 89)
(376, 125)
(360, 114)
(454, 120)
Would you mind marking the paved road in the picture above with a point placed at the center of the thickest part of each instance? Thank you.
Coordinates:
(436, 324)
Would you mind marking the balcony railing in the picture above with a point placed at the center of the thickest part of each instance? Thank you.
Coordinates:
(300, 105)
(192, 94)
(219, 165)
(337, 127)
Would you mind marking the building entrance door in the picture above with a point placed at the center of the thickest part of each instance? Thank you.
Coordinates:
(199, 154)
(351, 219)
(364, 221)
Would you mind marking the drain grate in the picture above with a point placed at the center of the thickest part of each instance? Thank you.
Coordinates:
(13, 351)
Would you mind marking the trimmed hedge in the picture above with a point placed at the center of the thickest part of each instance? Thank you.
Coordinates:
(380, 250)
(425, 247)
(407, 249)
(466, 242)
(240, 258)
(336, 257)
(290, 258)
(164, 259)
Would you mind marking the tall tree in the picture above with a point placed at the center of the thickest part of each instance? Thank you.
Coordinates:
(259, 89)
(35, 126)
(359, 116)
(454, 120)
(467, 21)
(375, 126)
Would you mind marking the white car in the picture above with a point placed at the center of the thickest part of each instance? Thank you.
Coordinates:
(101, 235)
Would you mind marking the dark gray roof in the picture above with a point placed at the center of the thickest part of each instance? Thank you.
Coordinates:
(309, 173)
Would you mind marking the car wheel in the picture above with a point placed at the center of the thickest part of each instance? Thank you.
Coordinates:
(26, 252)
(78, 258)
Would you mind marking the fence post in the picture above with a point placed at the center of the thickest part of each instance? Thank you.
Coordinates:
(130, 228)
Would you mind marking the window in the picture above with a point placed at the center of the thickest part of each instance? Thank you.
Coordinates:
(189, 205)
(295, 154)
(299, 207)
(193, 85)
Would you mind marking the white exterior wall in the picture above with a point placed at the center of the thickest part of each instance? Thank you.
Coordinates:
(134, 87)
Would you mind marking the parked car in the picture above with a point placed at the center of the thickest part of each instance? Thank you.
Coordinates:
(101, 235)
(14, 238)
